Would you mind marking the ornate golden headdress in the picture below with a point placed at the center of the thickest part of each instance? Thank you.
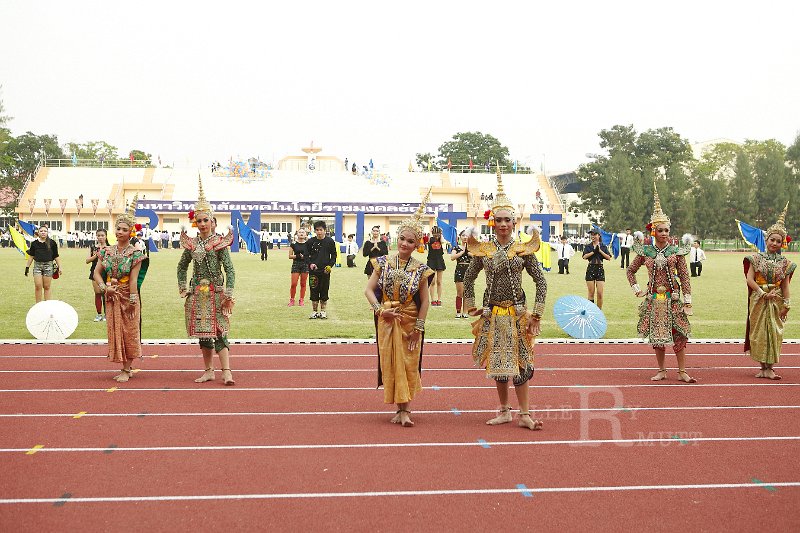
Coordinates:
(202, 204)
(414, 222)
(658, 216)
(501, 201)
(129, 215)
(780, 226)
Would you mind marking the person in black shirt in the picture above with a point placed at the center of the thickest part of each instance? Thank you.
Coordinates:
(462, 258)
(436, 263)
(94, 255)
(42, 253)
(322, 257)
(298, 253)
(596, 252)
(375, 247)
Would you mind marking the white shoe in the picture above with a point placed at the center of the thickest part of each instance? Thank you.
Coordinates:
(104, 317)
(322, 314)
(314, 315)
(98, 317)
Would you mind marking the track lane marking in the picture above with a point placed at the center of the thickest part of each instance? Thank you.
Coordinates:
(586, 442)
(378, 494)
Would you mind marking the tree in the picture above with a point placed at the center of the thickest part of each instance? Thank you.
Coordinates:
(741, 191)
(423, 160)
(476, 146)
(24, 153)
(659, 154)
(772, 179)
(93, 150)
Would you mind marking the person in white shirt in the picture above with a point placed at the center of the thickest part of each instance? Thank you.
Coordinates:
(625, 243)
(264, 237)
(696, 256)
(352, 250)
(565, 251)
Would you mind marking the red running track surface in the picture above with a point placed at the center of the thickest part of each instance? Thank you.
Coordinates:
(302, 442)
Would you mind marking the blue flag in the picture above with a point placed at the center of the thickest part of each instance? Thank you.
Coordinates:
(370, 162)
(74, 159)
(752, 235)
(515, 165)
(449, 233)
(28, 228)
(250, 237)
(609, 239)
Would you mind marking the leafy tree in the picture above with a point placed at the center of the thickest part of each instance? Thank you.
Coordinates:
(741, 191)
(424, 159)
(772, 178)
(94, 150)
(475, 146)
(660, 155)
(24, 153)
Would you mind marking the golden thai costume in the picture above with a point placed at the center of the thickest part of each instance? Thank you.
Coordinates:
(764, 330)
(502, 345)
(122, 314)
(662, 319)
(208, 289)
(399, 285)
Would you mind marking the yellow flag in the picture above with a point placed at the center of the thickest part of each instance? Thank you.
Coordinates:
(19, 241)
(544, 256)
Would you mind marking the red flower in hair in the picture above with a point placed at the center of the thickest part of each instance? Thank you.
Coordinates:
(138, 227)
(788, 239)
(191, 214)
(649, 226)
(487, 214)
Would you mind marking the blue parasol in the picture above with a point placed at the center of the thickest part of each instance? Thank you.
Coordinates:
(580, 318)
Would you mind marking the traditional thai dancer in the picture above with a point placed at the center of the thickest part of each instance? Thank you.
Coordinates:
(768, 276)
(94, 257)
(115, 275)
(209, 295)
(506, 330)
(664, 313)
(397, 290)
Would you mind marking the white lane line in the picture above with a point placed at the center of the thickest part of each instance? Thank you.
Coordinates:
(418, 411)
(395, 493)
(585, 442)
(373, 356)
(433, 387)
(371, 370)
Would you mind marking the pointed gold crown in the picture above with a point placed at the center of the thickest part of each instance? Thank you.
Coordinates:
(501, 201)
(414, 222)
(658, 216)
(202, 204)
(129, 215)
(780, 226)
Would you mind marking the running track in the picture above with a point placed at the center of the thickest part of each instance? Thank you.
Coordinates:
(303, 443)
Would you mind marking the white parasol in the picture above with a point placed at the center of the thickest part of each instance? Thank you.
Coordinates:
(51, 320)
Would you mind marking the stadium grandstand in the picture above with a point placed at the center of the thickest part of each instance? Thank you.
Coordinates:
(299, 189)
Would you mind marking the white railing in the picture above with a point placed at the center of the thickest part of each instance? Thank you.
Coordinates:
(98, 163)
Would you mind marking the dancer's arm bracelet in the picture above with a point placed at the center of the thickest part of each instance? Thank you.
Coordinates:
(787, 303)
(687, 299)
(102, 287)
(376, 308)
(419, 325)
(228, 293)
(636, 289)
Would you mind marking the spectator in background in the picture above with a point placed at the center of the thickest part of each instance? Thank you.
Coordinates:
(696, 258)
(565, 252)
(596, 252)
(625, 243)
(352, 250)
(374, 247)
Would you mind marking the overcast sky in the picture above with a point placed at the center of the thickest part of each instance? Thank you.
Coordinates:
(196, 81)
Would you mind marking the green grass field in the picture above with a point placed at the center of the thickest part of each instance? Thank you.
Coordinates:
(262, 292)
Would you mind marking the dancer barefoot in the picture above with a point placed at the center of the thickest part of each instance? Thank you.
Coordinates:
(768, 276)
(663, 316)
(209, 295)
(397, 290)
(115, 275)
(506, 329)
